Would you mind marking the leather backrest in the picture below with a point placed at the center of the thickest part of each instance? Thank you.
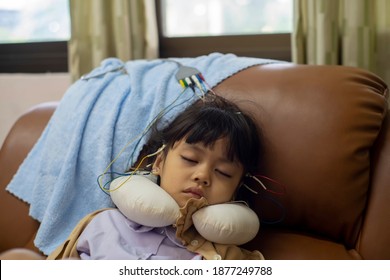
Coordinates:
(319, 125)
(18, 228)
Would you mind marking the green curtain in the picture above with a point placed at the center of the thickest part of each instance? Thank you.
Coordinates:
(343, 32)
(126, 29)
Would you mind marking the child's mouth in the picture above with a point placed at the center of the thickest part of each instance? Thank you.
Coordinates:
(194, 192)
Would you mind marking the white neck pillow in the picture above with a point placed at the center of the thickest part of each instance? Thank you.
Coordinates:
(144, 202)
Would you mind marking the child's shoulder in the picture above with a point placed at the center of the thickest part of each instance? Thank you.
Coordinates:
(108, 213)
(113, 218)
(102, 217)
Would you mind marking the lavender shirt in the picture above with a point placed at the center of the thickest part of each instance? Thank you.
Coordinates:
(111, 236)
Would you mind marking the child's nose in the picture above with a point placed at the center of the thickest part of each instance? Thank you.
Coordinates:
(202, 177)
(202, 182)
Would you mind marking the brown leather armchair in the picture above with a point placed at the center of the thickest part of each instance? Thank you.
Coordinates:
(326, 139)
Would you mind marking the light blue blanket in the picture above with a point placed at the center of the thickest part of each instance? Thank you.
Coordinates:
(95, 119)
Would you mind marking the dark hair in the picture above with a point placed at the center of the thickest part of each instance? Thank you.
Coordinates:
(208, 120)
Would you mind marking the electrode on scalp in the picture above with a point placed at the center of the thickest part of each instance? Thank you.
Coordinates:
(189, 77)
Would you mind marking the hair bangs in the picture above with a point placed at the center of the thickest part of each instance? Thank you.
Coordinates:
(217, 123)
(207, 121)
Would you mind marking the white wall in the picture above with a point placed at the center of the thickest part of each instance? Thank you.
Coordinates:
(19, 92)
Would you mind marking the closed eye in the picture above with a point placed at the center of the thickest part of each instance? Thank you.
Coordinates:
(189, 159)
(224, 174)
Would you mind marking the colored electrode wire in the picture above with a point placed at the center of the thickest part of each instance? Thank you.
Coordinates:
(140, 135)
(188, 77)
(160, 115)
(282, 191)
(282, 187)
(133, 172)
(192, 78)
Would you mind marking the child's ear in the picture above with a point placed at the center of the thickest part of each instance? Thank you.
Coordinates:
(158, 164)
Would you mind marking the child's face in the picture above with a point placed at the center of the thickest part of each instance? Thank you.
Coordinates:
(195, 171)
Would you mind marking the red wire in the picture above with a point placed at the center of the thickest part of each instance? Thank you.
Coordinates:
(283, 187)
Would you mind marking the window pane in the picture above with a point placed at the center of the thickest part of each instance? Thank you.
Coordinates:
(225, 17)
(34, 20)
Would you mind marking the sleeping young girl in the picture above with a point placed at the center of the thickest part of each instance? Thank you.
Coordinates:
(202, 159)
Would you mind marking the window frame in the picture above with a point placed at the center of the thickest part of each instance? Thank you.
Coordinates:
(34, 57)
(273, 46)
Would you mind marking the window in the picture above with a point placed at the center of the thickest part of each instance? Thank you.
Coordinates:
(259, 28)
(34, 35)
(225, 17)
(34, 20)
